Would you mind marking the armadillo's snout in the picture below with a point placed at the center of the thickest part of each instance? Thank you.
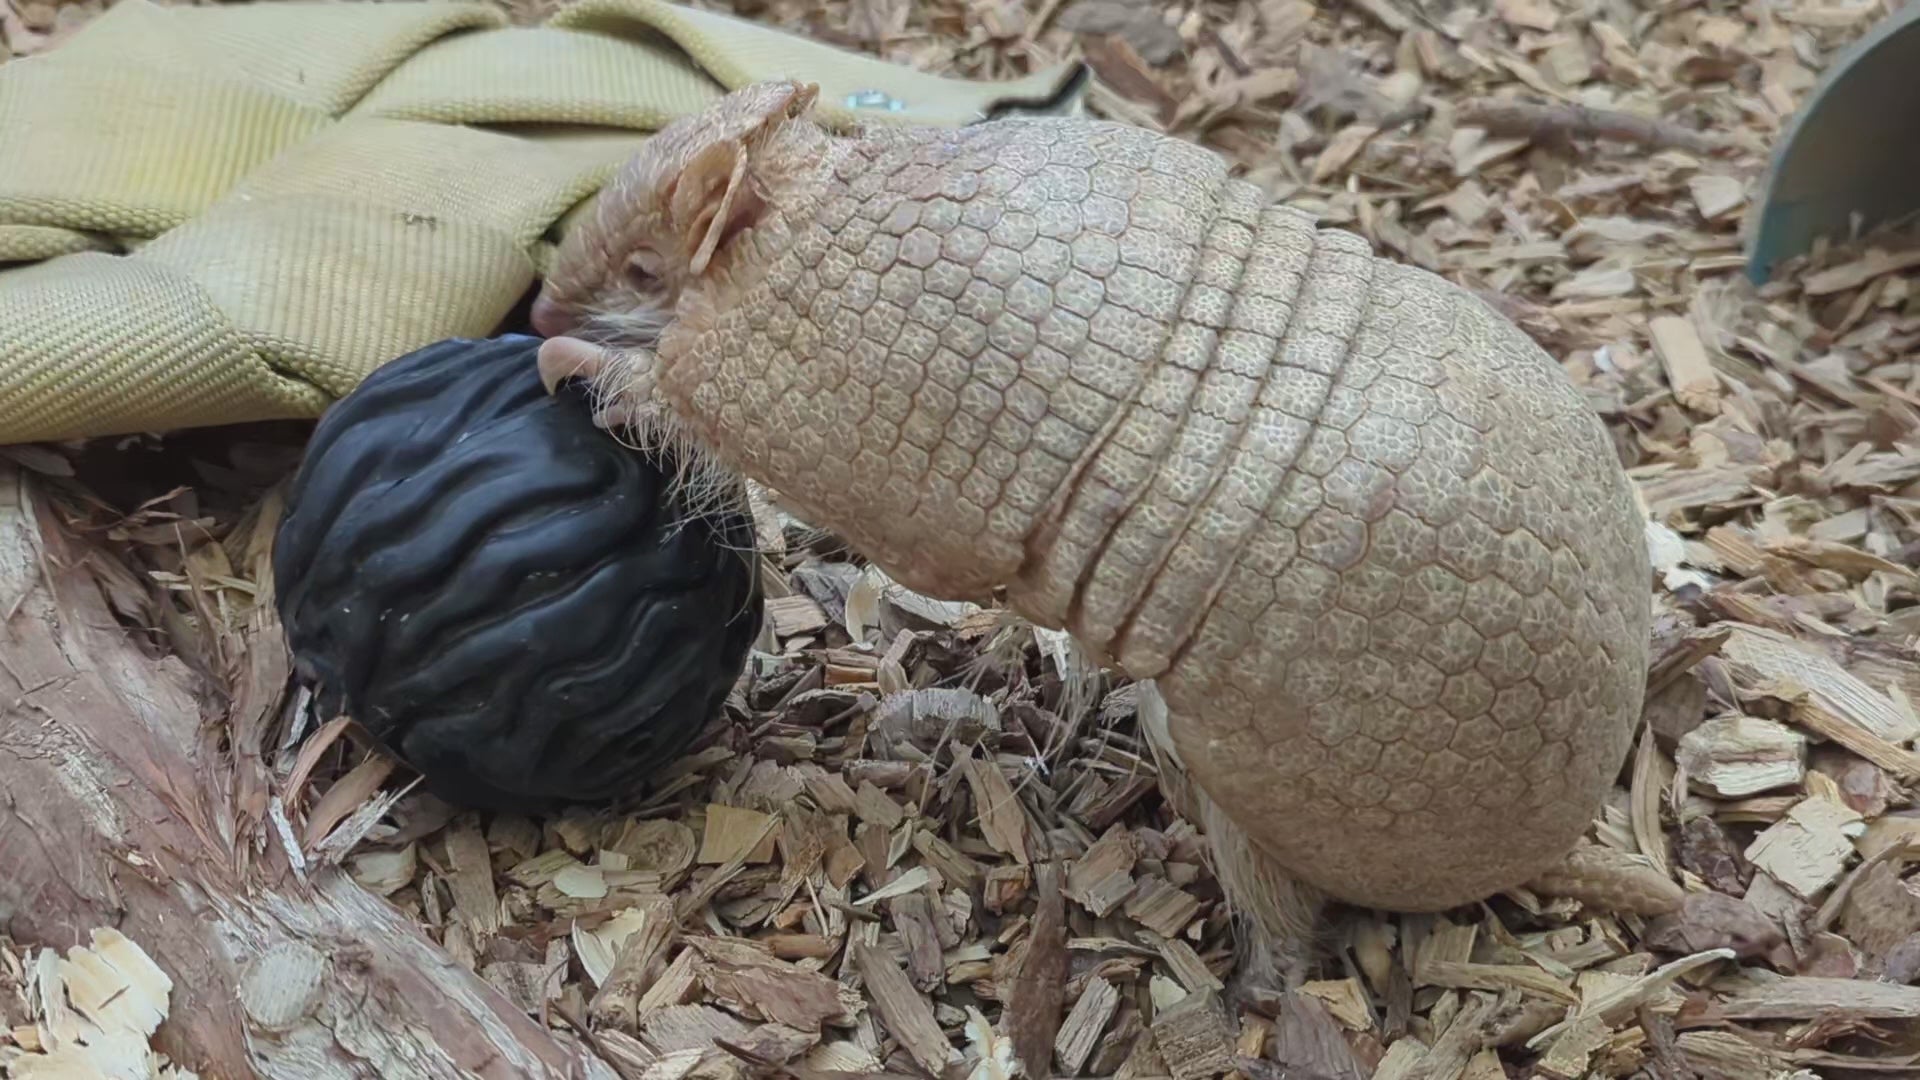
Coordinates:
(549, 318)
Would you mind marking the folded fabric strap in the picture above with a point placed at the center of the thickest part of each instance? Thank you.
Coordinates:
(212, 215)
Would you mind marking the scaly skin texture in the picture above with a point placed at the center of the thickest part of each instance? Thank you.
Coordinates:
(1363, 533)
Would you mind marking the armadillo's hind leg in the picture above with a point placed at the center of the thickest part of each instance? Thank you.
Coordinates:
(1276, 918)
(1265, 969)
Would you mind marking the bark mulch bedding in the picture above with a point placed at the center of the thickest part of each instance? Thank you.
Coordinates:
(926, 839)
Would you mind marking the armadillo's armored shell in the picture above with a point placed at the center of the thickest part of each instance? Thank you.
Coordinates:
(1367, 536)
(499, 592)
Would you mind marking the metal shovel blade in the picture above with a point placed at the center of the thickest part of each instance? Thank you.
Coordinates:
(1850, 149)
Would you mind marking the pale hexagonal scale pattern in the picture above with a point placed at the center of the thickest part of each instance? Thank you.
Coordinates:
(1364, 533)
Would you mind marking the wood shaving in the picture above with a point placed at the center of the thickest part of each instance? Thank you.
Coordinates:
(925, 839)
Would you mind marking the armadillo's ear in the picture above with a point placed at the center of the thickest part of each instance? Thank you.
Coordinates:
(802, 99)
(714, 199)
(774, 105)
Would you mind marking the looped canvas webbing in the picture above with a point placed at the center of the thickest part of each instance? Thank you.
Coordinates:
(221, 214)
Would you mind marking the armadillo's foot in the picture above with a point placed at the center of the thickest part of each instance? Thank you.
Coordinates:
(1276, 916)
(1264, 972)
(620, 380)
(564, 358)
(620, 383)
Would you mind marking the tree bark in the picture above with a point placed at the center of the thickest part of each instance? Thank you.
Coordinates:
(133, 795)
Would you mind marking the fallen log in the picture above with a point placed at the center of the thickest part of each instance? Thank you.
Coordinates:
(134, 795)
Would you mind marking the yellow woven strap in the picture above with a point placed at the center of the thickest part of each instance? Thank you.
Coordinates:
(737, 52)
(230, 213)
(97, 343)
(29, 243)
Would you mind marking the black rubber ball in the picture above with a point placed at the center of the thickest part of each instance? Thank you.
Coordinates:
(500, 592)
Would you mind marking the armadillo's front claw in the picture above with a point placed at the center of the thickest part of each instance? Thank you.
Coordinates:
(564, 358)
(616, 416)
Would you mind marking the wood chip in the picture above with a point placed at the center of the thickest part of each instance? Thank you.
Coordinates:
(1194, 1038)
(346, 796)
(1622, 1002)
(875, 807)
(678, 1028)
(1716, 196)
(1102, 878)
(1882, 910)
(1804, 996)
(1345, 1000)
(1039, 980)
(1571, 1052)
(640, 959)
(736, 833)
(971, 797)
(1689, 371)
(1186, 965)
(1002, 821)
(796, 615)
(906, 1014)
(913, 920)
(1726, 1055)
(1307, 1037)
(1161, 907)
(472, 878)
(385, 872)
(664, 847)
(1464, 976)
(777, 992)
(1778, 659)
(1080, 1031)
(675, 986)
(1808, 849)
(1735, 756)
(1401, 1060)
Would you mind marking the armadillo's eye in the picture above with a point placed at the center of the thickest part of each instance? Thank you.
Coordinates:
(643, 268)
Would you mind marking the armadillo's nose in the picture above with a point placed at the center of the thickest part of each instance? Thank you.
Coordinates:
(548, 317)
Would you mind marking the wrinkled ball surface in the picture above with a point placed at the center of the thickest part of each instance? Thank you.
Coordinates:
(499, 592)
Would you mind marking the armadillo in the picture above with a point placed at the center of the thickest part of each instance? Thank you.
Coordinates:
(1361, 534)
